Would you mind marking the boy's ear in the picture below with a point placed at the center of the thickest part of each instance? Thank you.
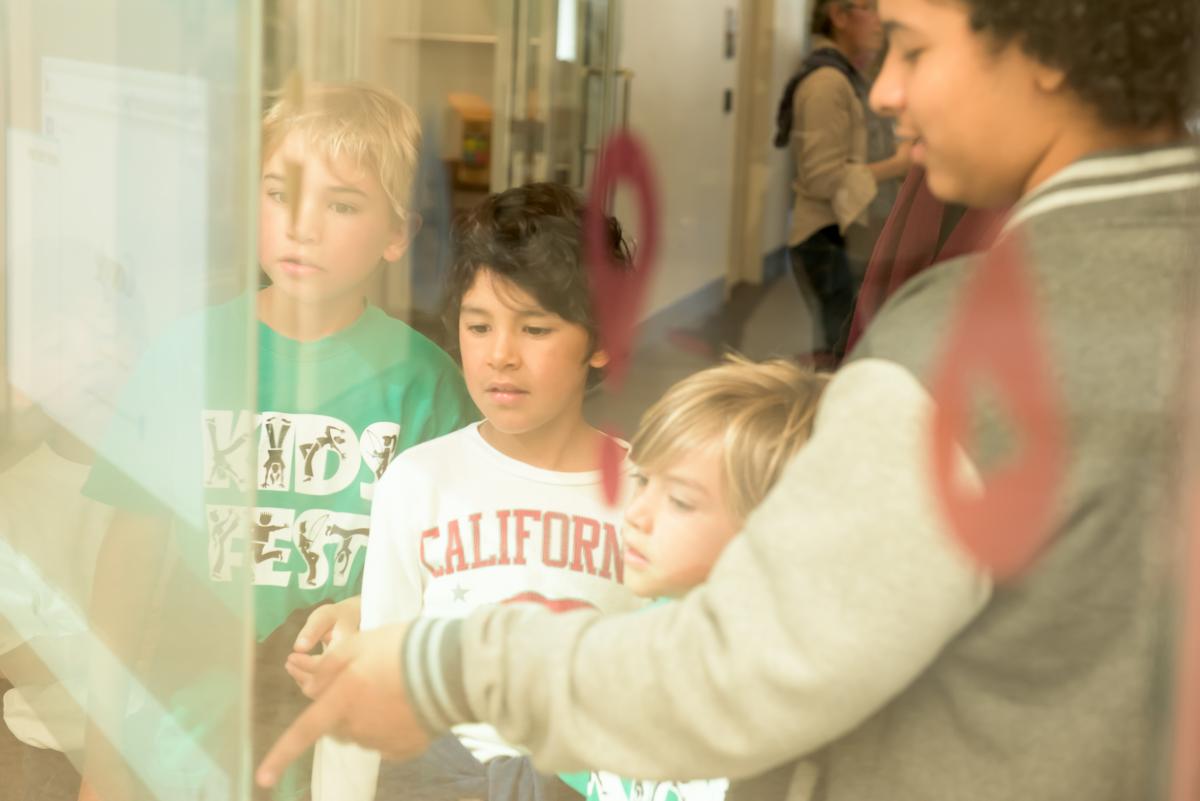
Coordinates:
(599, 359)
(838, 15)
(401, 237)
(1050, 80)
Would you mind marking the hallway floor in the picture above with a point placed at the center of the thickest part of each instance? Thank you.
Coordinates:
(782, 325)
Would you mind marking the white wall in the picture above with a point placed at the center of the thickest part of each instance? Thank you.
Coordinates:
(675, 49)
(791, 39)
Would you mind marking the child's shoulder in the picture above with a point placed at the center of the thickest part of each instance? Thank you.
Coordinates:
(395, 341)
(443, 456)
(184, 341)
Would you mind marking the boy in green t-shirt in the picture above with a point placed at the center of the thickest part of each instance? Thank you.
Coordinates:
(707, 452)
(265, 481)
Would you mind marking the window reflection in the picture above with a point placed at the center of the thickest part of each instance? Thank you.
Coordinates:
(229, 233)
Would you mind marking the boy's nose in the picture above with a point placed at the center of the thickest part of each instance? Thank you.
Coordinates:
(887, 93)
(638, 514)
(304, 225)
(503, 352)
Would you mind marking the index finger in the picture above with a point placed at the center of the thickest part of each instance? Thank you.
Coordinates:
(326, 668)
(315, 629)
(320, 718)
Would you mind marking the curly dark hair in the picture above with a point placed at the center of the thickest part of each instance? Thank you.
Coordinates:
(532, 236)
(1132, 60)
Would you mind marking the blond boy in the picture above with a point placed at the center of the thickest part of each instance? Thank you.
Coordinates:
(707, 453)
(268, 476)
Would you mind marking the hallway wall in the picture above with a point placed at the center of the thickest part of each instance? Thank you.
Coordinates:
(791, 40)
(675, 49)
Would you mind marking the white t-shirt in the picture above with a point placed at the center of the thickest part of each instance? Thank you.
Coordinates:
(456, 525)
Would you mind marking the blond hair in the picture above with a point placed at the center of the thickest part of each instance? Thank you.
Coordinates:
(758, 413)
(373, 128)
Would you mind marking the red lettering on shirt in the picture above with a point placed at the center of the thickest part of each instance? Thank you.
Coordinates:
(585, 541)
(577, 543)
(502, 516)
(454, 549)
(524, 517)
(477, 561)
(548, 535)
(429, 534)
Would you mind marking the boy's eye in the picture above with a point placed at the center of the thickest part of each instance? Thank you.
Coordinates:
(477, 328)
(640, 480)
(681, 505)
(277, 195)
(537, 330)
(343, 208)
(911, 56)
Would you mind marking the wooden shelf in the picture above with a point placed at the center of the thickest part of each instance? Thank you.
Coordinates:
(453, 38)
(445, 38)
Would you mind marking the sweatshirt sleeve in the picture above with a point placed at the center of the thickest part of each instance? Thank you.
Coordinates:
(842, 589)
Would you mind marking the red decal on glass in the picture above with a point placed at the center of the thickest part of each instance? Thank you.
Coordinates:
(611, 456)
(618, 289)
(995, 339)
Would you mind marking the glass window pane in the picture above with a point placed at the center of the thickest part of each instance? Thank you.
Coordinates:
(129, 131)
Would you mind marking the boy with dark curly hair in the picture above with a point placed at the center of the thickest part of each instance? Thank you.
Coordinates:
(508, 510)
(850, 623)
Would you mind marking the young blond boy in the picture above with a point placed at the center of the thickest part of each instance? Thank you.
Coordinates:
(340, 390)
(707, 453)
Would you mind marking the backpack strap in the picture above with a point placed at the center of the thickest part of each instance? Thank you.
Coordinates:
(825, 57)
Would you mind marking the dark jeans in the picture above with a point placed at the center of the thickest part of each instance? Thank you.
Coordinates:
(449, 772)
(821, 261)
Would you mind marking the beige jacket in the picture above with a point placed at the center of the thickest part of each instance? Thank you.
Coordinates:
(829, 146)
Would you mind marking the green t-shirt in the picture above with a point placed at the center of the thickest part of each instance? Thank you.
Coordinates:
(329, 417)
(265, 463)
(601, 786)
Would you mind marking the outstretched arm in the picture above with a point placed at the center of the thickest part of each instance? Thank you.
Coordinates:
(843, 588)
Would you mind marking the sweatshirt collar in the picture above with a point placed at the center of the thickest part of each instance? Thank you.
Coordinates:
(1110, 176)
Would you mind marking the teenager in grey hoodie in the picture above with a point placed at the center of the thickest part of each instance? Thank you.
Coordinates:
(849, 622)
